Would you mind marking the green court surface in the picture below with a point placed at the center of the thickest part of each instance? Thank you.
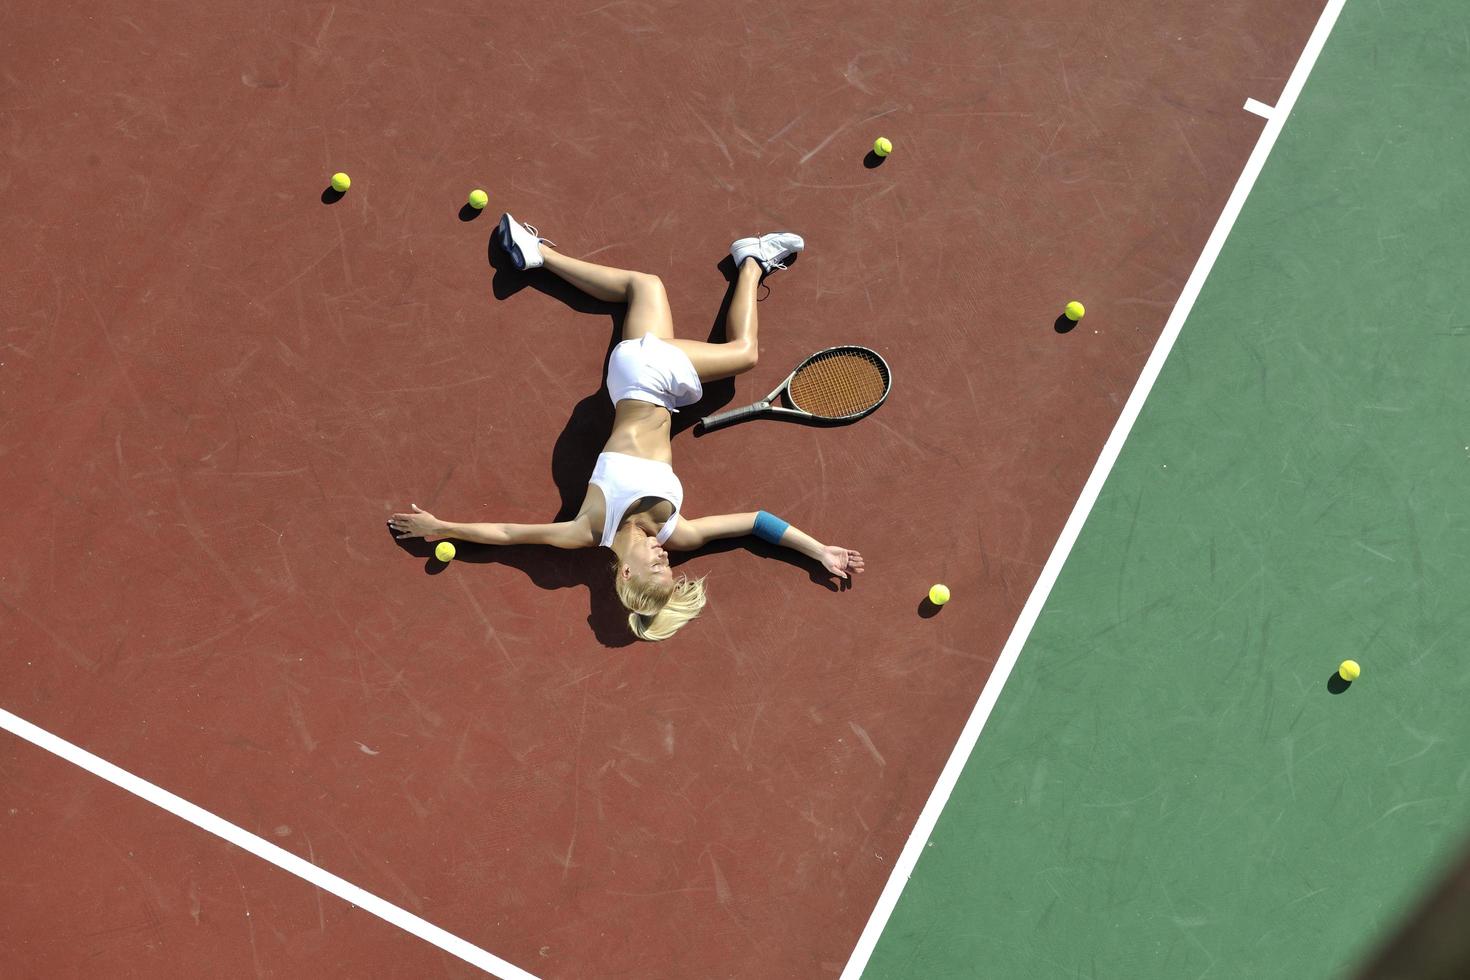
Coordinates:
(1167, 787)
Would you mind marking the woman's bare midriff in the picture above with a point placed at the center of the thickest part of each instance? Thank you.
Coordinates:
(641, 429)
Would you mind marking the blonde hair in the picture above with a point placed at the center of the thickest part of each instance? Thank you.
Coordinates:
(657, 610)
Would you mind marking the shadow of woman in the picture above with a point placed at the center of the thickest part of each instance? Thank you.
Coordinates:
(575, 451)
(814, 569)
(549, 569)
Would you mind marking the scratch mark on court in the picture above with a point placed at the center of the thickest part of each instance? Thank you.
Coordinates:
(457, 767)
(722, 887)
(755, 146)
(851, 75)
(122, 369)
(424, 712)
(1124, 557)
(862, 735)
(490, 631)
(1187, 923)
(250, 924)
(298, 721)
(755, 718)
(1123, 803)
(316, 262)
(777, 134)
(1373, 551)
(1303, 898)
(604, 248)
(191, 524)
(566, 861)
(231, 375)
(1190, 147)
(331, 12)
(1404, 806)
(841, 187)
(1045, 154)
(1429, 648)
(71, 651)
(957, 113)
(819, 147)
(1288, 748)
(211, 638)
(580, 678)
(839, 131)
(916, 447)
(712, 134)
(321, 917)
(286, 560)
(614, 3)
(658, 894)
(365, 750)
(250, 473)
(410, 896)
(440, 387)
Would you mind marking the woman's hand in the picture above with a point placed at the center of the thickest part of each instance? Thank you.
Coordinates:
(419, 524)
(840, 561)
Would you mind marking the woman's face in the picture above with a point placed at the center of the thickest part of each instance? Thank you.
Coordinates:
(647, 558)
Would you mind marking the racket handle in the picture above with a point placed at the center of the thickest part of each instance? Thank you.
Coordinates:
(734, 415)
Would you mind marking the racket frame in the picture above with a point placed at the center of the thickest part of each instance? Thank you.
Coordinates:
(769, 405)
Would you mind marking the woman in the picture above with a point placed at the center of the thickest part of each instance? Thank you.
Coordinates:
(633, 500)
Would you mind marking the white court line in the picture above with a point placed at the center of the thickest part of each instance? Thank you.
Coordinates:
(950, 775)
(1259, 108)
(262, 848)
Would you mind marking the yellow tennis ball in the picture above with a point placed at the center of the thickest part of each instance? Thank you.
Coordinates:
(1349, 670)
(1075, 310)
(444, 551)
(478, 199)
(882, 146)
(939, 594)
(340, 182)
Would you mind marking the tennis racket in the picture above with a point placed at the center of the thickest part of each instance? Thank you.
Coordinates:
(839, 384)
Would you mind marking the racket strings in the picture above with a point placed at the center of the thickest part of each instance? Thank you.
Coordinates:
(843, 383)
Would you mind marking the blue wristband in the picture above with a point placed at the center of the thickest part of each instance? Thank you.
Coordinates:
(769, 527)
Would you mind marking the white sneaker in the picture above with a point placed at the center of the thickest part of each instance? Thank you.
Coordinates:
(521, 242)
(770, 250)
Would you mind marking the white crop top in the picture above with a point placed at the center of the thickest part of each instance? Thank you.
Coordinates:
(624, 479)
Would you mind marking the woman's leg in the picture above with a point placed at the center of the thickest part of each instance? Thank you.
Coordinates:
(648, 304)
(739, 351)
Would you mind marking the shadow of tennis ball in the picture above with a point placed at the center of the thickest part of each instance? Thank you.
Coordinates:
(1336, 684)
(331, 195)
(927, 608)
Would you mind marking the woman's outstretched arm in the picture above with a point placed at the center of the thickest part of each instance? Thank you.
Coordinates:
(691, 533)
(576, 533)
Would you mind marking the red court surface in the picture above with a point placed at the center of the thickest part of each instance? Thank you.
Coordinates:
(216, 387)
(99, 883)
